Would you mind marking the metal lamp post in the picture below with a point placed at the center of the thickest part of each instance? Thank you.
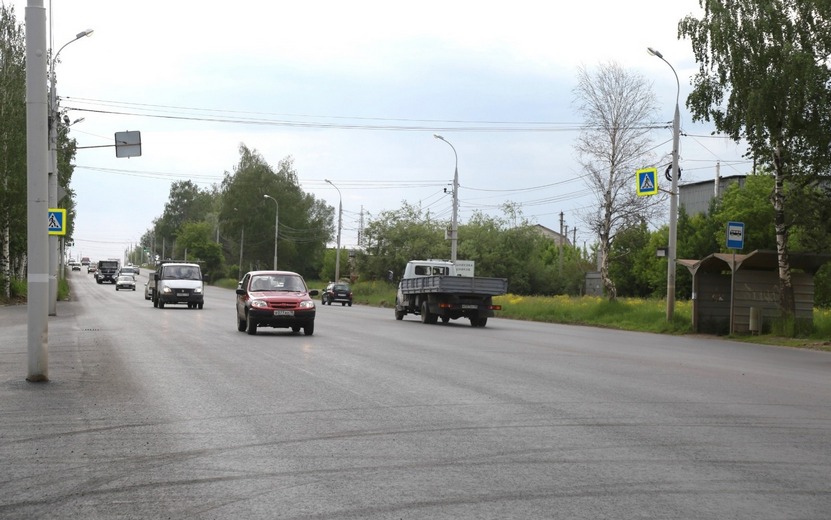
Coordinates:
(673, 196)
(241, 242)
(454, 223)
(54, 121)
(276, 223)
(340, 222)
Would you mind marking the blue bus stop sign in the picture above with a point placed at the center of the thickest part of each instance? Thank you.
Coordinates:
(735, 235)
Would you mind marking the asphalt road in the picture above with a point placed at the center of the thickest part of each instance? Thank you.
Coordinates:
(172, 413)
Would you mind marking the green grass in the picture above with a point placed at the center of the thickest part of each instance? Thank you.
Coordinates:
(624, 313)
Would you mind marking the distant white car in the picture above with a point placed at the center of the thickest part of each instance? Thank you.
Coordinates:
(125, 281)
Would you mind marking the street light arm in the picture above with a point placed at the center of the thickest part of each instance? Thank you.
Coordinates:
(340, 223)
(654, 52)
(454, 224)
(276, 224)
(77, 37)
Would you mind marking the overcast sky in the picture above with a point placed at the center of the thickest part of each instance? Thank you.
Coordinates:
(353, 92)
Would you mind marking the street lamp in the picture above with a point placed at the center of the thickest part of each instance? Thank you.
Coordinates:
(454, 223)
(340, 221)
(276, 222)
(673, 196)
(241, 242)
(53, 174)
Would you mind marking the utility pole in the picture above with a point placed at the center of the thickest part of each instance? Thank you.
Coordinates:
(560, 249)
(37, 194)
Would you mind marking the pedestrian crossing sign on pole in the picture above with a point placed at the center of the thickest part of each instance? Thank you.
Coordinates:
(57, 221)
(647, 181)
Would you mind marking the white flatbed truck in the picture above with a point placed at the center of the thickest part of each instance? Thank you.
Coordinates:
(433, 290)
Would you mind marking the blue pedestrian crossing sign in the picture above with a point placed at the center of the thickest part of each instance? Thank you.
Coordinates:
(57, 221)
(647, 181)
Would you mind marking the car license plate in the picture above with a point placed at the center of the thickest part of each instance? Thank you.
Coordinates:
(283, 313)
(182, 294)
(468, 306)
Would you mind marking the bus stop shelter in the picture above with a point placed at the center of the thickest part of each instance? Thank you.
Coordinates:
(740, 294)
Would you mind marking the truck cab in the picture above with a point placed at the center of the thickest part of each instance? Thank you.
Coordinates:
(416, 268)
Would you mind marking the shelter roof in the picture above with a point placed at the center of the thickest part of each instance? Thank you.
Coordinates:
(759, 260)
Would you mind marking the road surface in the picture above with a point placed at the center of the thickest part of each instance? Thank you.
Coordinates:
(173, 413)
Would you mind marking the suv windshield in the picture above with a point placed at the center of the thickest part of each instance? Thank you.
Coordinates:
(277, 283)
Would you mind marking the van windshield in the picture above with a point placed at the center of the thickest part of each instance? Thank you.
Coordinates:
(181, 272)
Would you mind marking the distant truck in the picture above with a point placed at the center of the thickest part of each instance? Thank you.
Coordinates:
(107, 271)
(177, 282)
(433, 290)
(85, 261)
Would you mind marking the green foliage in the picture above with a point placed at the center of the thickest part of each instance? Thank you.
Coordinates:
(327, 271)
(631, 261)
(763, 77)
(398, 236)
(749, 204)
(508, 247)
(305, 224)
(186, 203)
(196, 239)
(822, 287)
(12, 140)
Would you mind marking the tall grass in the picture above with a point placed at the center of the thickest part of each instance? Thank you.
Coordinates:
(624, 313)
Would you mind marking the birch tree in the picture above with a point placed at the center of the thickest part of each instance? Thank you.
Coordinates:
(618, 108)
(12, 146)
(764, 77)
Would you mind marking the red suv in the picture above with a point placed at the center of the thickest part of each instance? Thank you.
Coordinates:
(278, 299)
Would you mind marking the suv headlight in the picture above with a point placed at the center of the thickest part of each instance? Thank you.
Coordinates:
(198, 290)
(307, 304)
(259, 304)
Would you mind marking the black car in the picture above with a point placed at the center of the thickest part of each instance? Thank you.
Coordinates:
(337, 292)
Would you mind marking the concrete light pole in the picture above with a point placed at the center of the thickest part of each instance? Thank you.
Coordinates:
(37, 194)
(673, 196)
(340, 222)
(454, 223)
(276, 222)
(54, 121)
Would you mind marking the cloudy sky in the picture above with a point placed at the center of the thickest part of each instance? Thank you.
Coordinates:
(353, 92)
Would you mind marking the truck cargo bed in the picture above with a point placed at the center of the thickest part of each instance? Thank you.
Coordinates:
(455, 284)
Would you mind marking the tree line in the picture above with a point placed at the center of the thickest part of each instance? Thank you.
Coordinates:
(763, 78)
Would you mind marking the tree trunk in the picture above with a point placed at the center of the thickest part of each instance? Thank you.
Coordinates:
(608, 283)
(787, 304)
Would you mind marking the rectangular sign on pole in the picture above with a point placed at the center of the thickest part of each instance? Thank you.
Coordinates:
(735, 235)
(57, 221)
(647, 181)
(128, 144)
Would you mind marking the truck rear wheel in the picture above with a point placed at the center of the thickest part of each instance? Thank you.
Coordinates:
(427, 317)
(476, 321)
